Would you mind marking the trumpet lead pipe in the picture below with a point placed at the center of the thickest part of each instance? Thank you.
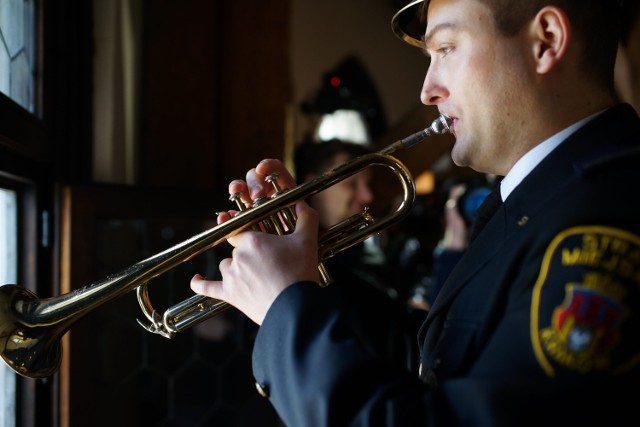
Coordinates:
(440, 126)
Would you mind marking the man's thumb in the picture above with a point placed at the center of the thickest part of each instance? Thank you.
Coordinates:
(307, 221)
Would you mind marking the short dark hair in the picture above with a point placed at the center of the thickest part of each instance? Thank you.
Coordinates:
(314, 158)
(596, 22)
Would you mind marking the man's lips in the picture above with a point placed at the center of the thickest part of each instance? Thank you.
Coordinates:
(452, 127)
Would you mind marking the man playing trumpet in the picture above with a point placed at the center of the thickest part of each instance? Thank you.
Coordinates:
(538, 324)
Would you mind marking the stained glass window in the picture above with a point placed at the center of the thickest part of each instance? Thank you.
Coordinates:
(18, 51)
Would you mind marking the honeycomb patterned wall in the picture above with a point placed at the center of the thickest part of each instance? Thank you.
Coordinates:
(202, 377)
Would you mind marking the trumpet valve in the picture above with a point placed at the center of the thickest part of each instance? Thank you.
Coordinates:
(325, 276)
(270, 223)
(237, 198)
(273, 180)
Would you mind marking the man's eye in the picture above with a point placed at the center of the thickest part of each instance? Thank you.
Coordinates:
(443, 51)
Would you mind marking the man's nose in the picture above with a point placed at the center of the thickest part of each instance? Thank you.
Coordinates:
(433, 91)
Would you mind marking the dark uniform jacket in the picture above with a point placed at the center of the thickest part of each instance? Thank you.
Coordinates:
(538, 324)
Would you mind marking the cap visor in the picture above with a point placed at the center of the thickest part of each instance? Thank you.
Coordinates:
(407, 24)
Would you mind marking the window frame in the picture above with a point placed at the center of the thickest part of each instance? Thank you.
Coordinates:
(26, 168)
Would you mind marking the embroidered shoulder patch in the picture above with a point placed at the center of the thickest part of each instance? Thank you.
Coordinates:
(585, 301)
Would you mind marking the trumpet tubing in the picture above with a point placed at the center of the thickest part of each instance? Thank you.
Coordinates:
(31, 328)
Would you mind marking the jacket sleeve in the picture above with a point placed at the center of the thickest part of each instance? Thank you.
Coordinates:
(316, 373)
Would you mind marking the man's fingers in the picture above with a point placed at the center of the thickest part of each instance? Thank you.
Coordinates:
(255, 186)
(275, 166)
(201, 285)
(306, 225)
(225, 216)
(237, 238)
(239, 192)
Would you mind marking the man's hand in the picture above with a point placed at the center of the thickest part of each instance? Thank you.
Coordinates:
(262, 265)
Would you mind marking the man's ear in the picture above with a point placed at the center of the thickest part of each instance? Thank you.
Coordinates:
(551, 31)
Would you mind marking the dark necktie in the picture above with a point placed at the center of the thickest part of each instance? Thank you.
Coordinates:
(484, 213)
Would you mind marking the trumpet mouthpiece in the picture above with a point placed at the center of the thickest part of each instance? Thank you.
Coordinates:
(439, 126)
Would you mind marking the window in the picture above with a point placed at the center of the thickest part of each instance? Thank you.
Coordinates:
(21, 177)
(8, 274)
(18, 51)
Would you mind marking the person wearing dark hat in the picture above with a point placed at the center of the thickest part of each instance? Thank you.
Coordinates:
(538, 323)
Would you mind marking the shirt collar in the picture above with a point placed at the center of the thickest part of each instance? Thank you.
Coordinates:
(530, 160)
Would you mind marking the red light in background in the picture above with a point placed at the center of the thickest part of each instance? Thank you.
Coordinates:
(335, 81)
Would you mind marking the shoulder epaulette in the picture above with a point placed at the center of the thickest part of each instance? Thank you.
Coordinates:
(597, 160)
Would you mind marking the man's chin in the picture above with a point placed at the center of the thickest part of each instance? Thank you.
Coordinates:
(459, 159)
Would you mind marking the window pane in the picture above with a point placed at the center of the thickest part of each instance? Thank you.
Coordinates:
(17, 51)
(8, 274)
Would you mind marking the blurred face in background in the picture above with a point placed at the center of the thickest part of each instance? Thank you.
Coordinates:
(345, 198)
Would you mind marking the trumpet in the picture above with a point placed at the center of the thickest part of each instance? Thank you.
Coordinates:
(31, 329)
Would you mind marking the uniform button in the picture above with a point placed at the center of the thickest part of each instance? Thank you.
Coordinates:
(430, 377)
(263, 389)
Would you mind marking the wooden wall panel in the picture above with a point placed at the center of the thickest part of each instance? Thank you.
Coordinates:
(217, 82)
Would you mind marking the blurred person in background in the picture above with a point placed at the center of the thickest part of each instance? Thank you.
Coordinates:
(360, 274)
